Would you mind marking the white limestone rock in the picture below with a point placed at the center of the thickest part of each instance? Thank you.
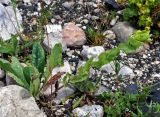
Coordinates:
(53, 36)
(9, 22)
(15, 101)
(89, 111)
(94, 51)
(124, 70)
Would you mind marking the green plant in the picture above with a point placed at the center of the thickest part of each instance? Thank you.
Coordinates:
(82, 79)
(117, 104)
(125, 104)
(133, 43)
(117, 67)
(10, 47)
(30, 76)
(95, 37)
(105, 20)
(141, 10)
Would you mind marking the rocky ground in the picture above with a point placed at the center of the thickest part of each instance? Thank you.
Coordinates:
(67, 23)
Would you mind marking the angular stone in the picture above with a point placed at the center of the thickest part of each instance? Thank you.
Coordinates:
(68, 5)
(124, 70)
(94, 51)
(89, 111)
(15, 101)
(62, 94)
(101, 90)
(54, 36)
(6, 2)
(9, 23)
(65, 68)
(47, 1)
(109, 34)
(73, 35)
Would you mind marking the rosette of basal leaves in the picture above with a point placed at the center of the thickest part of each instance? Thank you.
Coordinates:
(30, 76)
(27, 77)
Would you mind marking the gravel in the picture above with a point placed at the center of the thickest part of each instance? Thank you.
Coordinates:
(145, 65)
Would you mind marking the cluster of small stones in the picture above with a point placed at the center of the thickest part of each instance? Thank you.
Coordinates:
(145, 65)
(82, 12)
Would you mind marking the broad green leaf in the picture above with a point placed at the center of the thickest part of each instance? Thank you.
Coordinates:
(79, 78)
(35, 82)
(125, 47)
(65, 79)
(4, 64)
(38, 57)
(15, 43)
(18, 71)
(11, 72)
(54, 60)
(18, 80)
(85, 68)
(107, 57)
(35, 87)
(6, 50)
(135, 44)
(28, 72)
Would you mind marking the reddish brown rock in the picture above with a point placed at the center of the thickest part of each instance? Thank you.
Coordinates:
(73, 35)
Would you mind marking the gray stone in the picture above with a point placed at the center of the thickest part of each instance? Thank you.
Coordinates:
(63, 93)
(54, 36)
(109, 34)
(94, 51)
(101, 90)
(132, 88)
(15, 101)
(68, 5)
(1, 84)
(7, 2)
(10, 81)
(123, 30)
(26, 1)
(47, 1)
(65, 68)
(2, 74)
(9, 23)
(89, 111)
(113, 3)
(124, 70)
